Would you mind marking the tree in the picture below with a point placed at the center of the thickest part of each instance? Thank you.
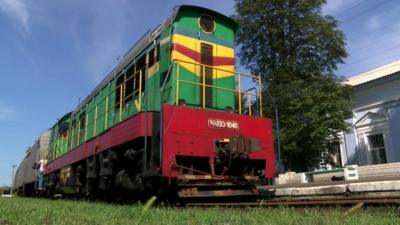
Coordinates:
(295, 50)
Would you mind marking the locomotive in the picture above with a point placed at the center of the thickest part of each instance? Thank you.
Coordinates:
(172, 119)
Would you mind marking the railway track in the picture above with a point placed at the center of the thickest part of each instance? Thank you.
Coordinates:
(334, 201)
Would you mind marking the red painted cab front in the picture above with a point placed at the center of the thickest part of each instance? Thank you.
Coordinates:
(215, 145)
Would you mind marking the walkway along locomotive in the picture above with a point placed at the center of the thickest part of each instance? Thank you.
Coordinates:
(172, 118)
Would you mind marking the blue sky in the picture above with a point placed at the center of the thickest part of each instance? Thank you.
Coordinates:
(54, 52)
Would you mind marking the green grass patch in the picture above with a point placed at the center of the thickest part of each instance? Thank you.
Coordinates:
(42, 211)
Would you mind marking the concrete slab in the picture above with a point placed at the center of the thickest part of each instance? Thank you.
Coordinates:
(319, 190)
(326, 177)
(375, 186)
(380, 170)
(6, 196)
(290, 178)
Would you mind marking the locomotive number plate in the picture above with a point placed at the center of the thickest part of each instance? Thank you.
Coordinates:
(219, 123)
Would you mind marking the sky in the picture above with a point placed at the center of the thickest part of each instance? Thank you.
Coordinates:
(52, 53)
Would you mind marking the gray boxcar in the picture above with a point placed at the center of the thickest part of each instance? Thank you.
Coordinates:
(26, 174)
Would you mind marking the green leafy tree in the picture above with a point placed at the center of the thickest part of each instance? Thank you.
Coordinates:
(295, 50)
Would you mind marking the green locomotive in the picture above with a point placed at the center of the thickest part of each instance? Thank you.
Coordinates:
(172, 115)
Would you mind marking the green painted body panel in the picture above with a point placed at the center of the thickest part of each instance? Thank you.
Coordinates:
(59, 137)
(191, 93)
(188, 20)
(187, 23)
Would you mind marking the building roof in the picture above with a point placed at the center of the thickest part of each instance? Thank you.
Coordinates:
(374, 74)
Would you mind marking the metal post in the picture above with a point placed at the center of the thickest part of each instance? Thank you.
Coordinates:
(248, 95)
(260, 96)
(278, 134)
(95, 121)
(120, 100)
(12, 178)
(86, 124)
(140, 90)
(249, 103)
(204, 86)
(177, 84)
(106, 116)
(79, 130)
(345, 149)
(161, 107)
(146, 102)
(240, 94)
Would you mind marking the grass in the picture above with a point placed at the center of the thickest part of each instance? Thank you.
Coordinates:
(42, 211)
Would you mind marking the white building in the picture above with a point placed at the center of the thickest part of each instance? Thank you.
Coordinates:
(375, 126)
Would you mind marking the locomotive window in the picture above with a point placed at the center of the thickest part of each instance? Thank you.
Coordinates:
(153, 56)
(82, 121)
(140, 66)
(119, 85)
(63, 129)
(73, 132)
(157, 53)
(129, 84)
(207, 24)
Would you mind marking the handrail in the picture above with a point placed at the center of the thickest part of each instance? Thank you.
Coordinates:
(140, 90)
(213, 67)
(216, 87)
(237, 89)
(204, 86)
(161, 108)
(135, 95)
(78, 134)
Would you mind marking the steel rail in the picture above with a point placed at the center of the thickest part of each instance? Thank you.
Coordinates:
(305, 202)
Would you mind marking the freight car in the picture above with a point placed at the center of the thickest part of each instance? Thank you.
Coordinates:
(173, 119)
(27, 180)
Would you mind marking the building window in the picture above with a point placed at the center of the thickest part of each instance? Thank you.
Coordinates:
(334, 157)
(377, 148)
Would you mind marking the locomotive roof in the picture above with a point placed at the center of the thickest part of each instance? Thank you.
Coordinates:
(141, 45)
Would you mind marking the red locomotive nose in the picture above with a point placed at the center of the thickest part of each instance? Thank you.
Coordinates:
(237, 145)
(220, 150)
